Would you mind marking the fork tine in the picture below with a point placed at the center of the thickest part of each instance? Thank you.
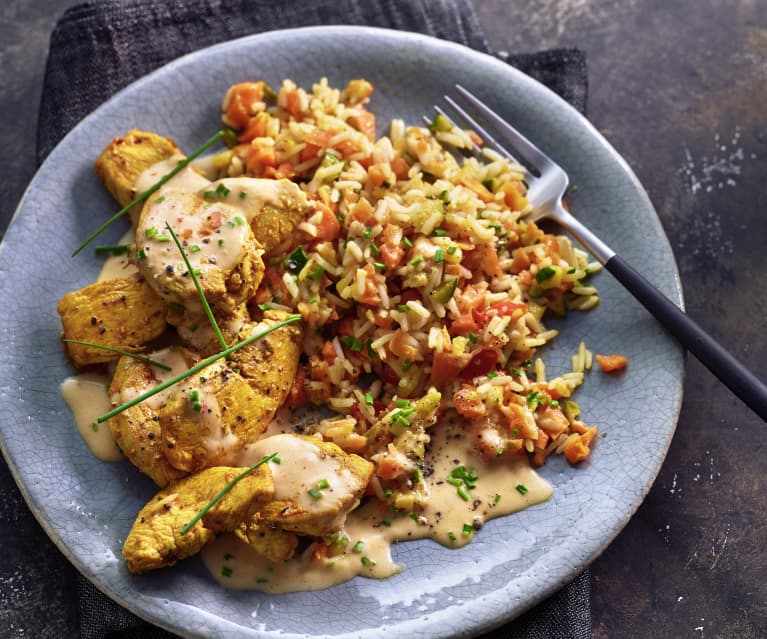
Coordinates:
(526, 149)
(479, 129)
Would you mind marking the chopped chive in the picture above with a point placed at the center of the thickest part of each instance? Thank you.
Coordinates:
(492, 374)
(239, 220)
(388, 493)
(265, 307)
(404, 308)
(221, 190)
(95, 427)
(467, 530)
(416, 260)
(462, 492)
(151, 232)
(546, 273)
(368, 231)
(227, 134)
(451, 536)
(322, 484)
(197, 407)
(314, 493)
(554, 403)
(366, 561)
(496, 499)
(402, 403)
(406, 241)
(194, 394)
(112, 249)
(369, 398)
(405, 365)
(352, 343)
(141, 254)
(228, 556)
(451, 249)
(439, 255)
(160, 199)
(439, 233)
(522, 489)
(223, 492)
(140, 358)
(196, 283)
(380, 266)
(197, 368)
(243, 195)
(221, 242)
(226, 571)
(296, 260)
(413, 516)
(473, 338)
(375, 250)
(262, 580)
(162, 238)
(358, 546)
(194, 248)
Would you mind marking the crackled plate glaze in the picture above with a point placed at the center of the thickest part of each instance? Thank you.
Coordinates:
(87, 506)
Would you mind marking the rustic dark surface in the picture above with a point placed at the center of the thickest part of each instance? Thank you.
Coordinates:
(680, 89)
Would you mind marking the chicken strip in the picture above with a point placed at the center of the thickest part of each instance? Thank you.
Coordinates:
(225, 256)
(126, 158)
(137, 430)
(122, 313)
(155, 539)
(316, 484)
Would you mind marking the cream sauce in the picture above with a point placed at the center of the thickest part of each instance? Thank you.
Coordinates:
(119, 266)
(214, 235)
(251, 195)
(87, 396)
(372, 529)
(173, 359)
(188, 179)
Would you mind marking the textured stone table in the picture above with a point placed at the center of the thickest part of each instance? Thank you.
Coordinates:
(680, 90)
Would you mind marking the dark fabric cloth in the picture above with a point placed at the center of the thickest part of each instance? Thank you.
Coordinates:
(98, 48)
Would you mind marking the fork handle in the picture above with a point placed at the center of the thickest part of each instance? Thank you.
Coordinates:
(710, 352)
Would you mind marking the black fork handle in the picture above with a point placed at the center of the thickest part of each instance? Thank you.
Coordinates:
(711, 353)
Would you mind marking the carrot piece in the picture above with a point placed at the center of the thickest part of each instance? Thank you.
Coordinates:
(365, 123)
(611, 363)
(329, 226)
(240, 102)
(477, 187)
(514, 195)
(400, 167)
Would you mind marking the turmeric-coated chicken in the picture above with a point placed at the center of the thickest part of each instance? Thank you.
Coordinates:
(218, 242)
(155, 540)
(122, 313)
(136, 430)
(316, 485)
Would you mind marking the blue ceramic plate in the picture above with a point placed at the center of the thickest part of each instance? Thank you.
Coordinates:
(87, 507)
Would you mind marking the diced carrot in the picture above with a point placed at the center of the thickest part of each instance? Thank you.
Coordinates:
(445, 368)
(481, 363)
(577, 450)
(370, 295)
(400, 167)
(542, 441)
(346, 148)
(611, 363)
(284, 170)
(464, 325)
(475, 137)
(329, 227)
(485, 258)
(514, 195)
(376, 175)
(365, 123)
(293, 103)
(392, 250)
(260, 155)
(297, 396)
(400, 346)
(328, 352)
(240, 102)
(520, 262)
(256, 127)
(363, 212)
(552, 421)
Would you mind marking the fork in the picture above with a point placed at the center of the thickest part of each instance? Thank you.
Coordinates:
(547, 185)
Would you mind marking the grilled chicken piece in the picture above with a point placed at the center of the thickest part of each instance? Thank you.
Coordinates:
(121, 163)
(208, 418)
(137, 430)
(218, 242)
(155, 540)
(316, 485)
(267, 539)
(274, 208)
(121, 313)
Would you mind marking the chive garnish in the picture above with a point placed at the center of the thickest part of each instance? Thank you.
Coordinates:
(197, 368)
(358, 546)
(228, 136)
(112, 249)
(193, 275)
(369, 398)
(366, 561)
(140, 358)
(521, 489)
(223, 492)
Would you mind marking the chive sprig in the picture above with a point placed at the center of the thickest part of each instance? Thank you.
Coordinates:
(197, 368)
(227, 134)
(140, 358)
(223, 492)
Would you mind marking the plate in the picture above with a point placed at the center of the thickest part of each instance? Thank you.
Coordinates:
(87, 506)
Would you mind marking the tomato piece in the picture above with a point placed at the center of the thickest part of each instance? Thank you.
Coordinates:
(445, 368)
(506, 308)
(481, 363)
(298, 396)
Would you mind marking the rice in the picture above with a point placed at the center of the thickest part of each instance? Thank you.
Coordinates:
(436, 280)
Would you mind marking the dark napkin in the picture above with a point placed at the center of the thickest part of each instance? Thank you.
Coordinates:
(100, 47)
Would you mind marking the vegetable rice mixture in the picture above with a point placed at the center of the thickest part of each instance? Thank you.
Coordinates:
(396, 283)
